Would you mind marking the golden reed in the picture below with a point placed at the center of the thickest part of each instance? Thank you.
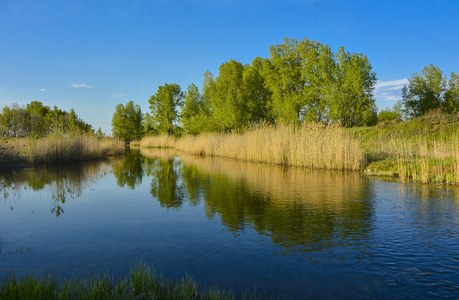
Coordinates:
(308, 145)
(74, 148)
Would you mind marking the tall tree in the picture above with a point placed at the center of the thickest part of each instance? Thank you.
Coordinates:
(283, 79)
(451, 102)
(425, 91)
(191, 108)
(127, 121)
(229, 109)
(353, 93)
(256, 96)
(164, 107)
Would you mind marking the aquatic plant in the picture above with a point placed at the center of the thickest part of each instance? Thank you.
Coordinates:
(141, 283)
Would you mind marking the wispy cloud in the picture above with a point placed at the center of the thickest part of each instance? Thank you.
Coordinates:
(117, 95)
(82, 85)
(390, 90)
(41, 90)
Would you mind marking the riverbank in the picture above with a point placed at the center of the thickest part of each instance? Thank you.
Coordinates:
(22, 152)
(309, 145)
(422, 150)
(141, 283)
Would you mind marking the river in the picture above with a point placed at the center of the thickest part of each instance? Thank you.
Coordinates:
(286, 233)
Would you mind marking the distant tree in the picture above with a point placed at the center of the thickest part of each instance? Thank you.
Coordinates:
(394, 114)
(425, 91)
(451, 102)
(191, 109)
(369, 117)
(148, 125)
(127, 121)
(38, 125)
(99, 133)
(164, 107)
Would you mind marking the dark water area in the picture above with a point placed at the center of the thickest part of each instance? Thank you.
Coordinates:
(288, 233)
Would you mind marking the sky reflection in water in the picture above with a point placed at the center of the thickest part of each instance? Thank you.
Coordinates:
(288, 232)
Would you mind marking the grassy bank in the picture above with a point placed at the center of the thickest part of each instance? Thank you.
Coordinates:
(423, 150)
(141, 283)
(309, 145)
(75, 148)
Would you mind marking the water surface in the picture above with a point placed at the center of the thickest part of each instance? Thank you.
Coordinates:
(291, 233)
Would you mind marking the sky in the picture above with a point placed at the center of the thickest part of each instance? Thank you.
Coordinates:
(92, 55)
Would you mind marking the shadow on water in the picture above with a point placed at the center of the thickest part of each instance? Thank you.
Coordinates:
(299, 209)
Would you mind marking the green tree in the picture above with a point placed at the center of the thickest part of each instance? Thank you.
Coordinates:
(282, 73)
(353, 92)
(164, 107)
(424, 92)
(256, 96)
(229, 108)
(38, 126)
(451, 102)
(127, 121)
(318, 75)
(191, 109)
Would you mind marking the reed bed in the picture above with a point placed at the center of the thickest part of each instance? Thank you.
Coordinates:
(155, 141)
(141, 283)
(75, 148)
(423, 159)
(309, 145)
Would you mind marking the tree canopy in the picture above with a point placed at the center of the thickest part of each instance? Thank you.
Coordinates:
(301, 81)
(38, 120)
(430, 90)
(127, 121)
(164, 105)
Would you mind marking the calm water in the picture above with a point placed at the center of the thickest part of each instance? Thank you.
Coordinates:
(286, 232)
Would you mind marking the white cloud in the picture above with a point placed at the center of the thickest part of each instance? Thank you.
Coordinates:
(82, 85)
(390, 90)
(117, 95)
(41, 90)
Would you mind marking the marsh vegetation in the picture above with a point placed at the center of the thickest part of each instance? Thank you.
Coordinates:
(141, 283)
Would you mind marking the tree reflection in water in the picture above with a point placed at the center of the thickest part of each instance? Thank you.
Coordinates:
(299, 209)
(62, 180)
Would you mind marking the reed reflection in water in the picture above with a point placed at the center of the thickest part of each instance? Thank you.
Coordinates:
(299, 209)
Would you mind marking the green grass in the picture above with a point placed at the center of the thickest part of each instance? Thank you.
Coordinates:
(423, 150)
(141, 283)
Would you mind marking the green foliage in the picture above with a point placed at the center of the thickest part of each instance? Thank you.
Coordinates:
(164, 107)
(127, 121)
(37, 120)
(394, 114)
(353, 88)
(309, 82)
(451, 102)
(430, 90)
(369, 117)
(425, 91)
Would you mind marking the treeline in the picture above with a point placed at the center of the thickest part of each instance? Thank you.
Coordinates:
(37, 120)
(301, 81)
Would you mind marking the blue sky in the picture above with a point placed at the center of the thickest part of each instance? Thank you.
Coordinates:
(92, 55)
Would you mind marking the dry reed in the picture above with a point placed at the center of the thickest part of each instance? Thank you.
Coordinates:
(308, 145)
(72, 149)
(422, 160)
(155, 141)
